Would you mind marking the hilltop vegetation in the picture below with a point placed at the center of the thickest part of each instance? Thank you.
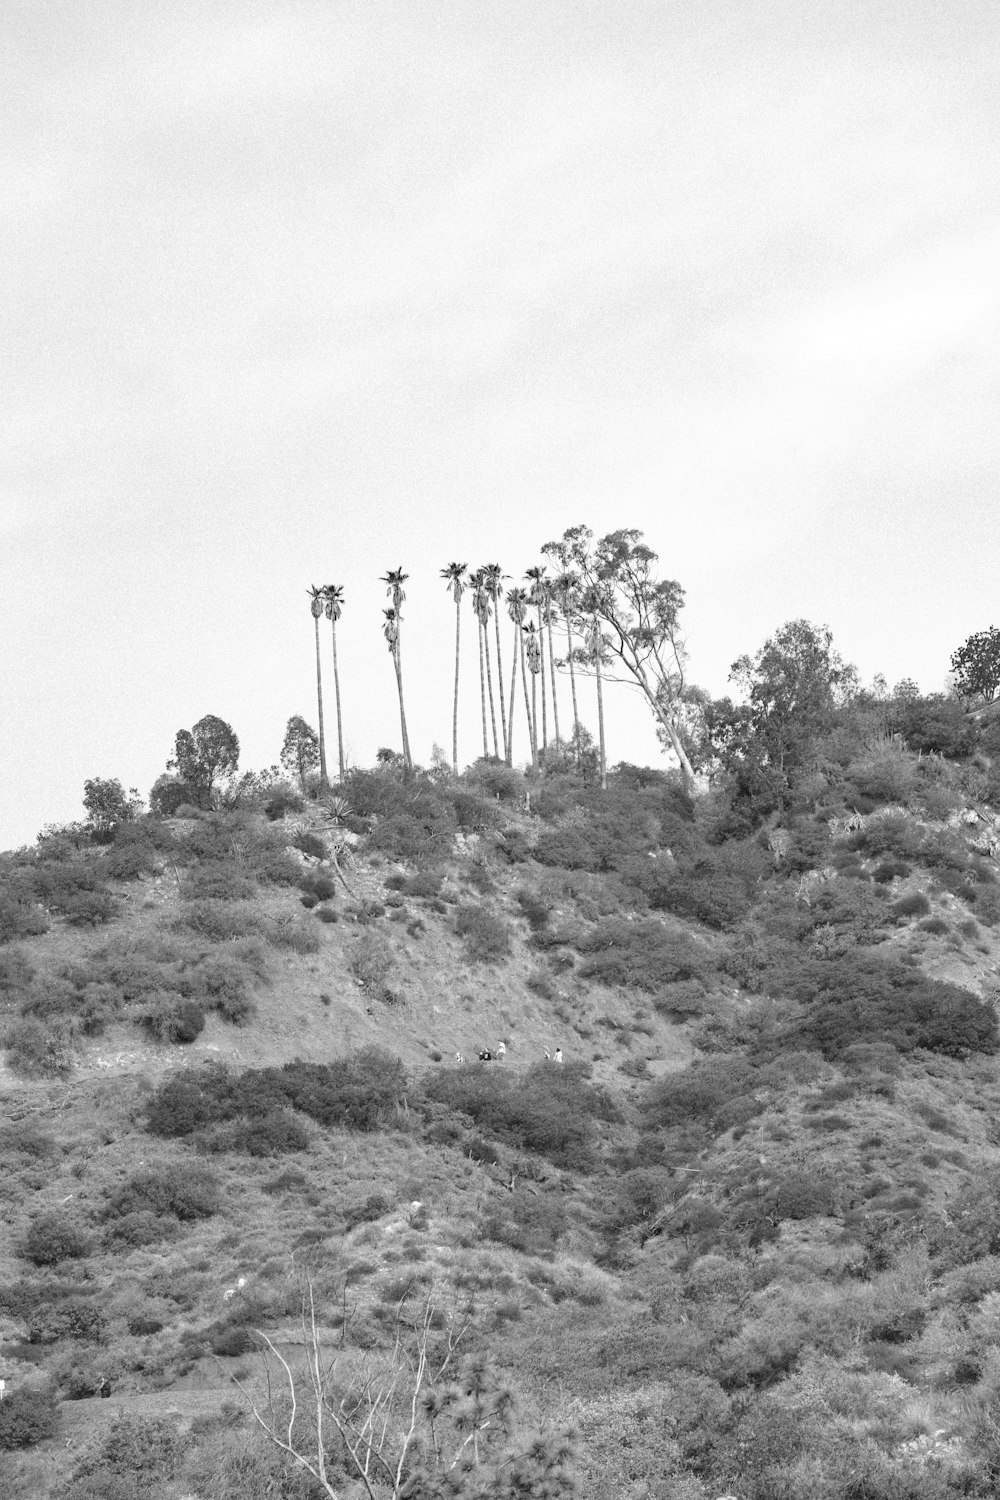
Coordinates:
(743, 1238)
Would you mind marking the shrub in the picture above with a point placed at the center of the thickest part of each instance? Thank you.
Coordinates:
(16, 972)
(322, 887)
(52, 1238)
(169, 1017)
(20, 915)
(27, 1417)
(37, 1051)
(914, 904)
(641, 955)
(182, 1191)
(273, 1134)
(216, 880)
(486, 936)
(371, 961)
(549, 1110)
(71, 889)
(311, 844)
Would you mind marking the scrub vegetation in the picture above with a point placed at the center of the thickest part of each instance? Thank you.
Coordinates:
(719, 1213)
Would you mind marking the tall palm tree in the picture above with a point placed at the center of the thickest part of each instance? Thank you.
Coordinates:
(493, 575)
(394, 581)
(484, 608)
(595, 645)
(564, 587)
(517, 608)
(334, 596)
(536, 596)
(549, 612)
(454, 576)
(533, 649)
(475, 583)
(316, 609)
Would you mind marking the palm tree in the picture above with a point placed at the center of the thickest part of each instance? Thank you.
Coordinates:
(391, 630)
(481, 604)
(334, 595)
(564, 588)
(533, 648)
(316, 609)
(517, 607)
(549, 612)
(493, 575)
(454, 575)
(536, 596)
(595, 645)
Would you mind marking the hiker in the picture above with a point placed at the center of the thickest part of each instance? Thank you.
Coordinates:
(501, 1051)
(547, 1057)
(486, 1055)
(459, 1058)
(105, 1387)
(558, 1056)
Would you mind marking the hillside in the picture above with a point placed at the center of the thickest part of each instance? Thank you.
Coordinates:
(743, 1238)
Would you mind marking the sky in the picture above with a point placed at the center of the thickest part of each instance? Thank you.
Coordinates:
(297, 293)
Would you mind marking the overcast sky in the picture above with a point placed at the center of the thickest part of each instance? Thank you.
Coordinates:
(296, 293)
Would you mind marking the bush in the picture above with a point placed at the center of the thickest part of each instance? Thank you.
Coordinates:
(37, 1051)
(486, 936)
(52, 1238)
(27, 1417)
(550, 1110)
(311, 844)
(642, 955)
(371, 961)
(181, 1191)
(71, 889)
(20, 915)
(914, 904)
(169, 1017)
(216, 880)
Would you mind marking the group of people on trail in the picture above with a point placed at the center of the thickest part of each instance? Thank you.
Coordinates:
(486, 1055)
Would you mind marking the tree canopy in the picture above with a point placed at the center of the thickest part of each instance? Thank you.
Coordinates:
(976, 665)
(638, 617)
(205, 753)
(300, 748)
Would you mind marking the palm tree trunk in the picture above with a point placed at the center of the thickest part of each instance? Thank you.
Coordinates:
(600, 726)
(482, 691)
(572, 683)
(513, 690)
(503, 712)
(454, 717)
(552, 673)
(323, 778)
(407, 759)
(336, 694)
(527, 711)
(541, 649)
(489, 684)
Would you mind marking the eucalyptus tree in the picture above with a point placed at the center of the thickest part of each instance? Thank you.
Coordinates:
(333, 608)
(300, 748)
(455, 577)
(481, 601)
(536, 596)
(517, 608)
(640, 614)
(493, 576)
(316, 609)
(545, 585)
(596, 647)
(565, 588)
(392, 631)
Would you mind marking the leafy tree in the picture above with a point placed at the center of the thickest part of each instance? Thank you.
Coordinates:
(300, 748)
(203, 754)
(316, 608)
(794, 688)
(454, 576)
(976, 665)
(641, 614)
(333, 608)
(108, 805)
(596, 647)
(394, 581)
